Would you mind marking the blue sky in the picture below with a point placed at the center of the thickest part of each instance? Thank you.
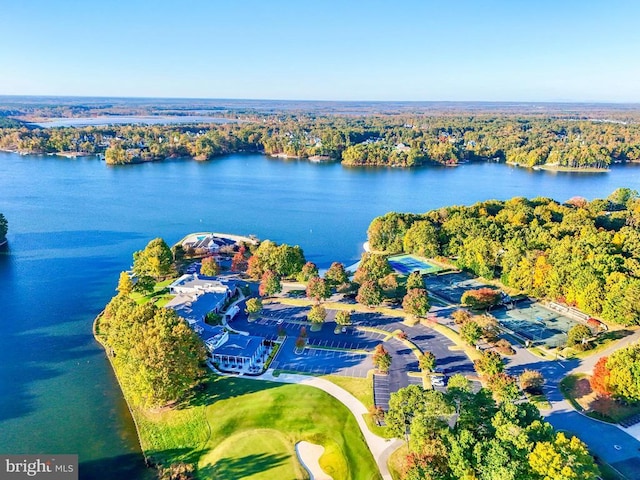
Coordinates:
(491, 50)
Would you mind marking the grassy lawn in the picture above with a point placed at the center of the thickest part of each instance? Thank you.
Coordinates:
(600, 343)
(577, 391)
(539, 401)
(396, 462)
(362, 389)
(239, 428)
(159, 295)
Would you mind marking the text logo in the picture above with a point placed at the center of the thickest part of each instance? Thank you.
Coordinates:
(45, 467)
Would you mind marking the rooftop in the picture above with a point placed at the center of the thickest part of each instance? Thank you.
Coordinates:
(195, 307)
(239, 346)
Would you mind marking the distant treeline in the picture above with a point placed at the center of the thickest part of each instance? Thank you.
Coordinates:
(390, 140)
(4, 228)
(583, 253)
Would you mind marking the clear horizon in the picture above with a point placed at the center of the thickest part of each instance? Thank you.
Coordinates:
(414, 51)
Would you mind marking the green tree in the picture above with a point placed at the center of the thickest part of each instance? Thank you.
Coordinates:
(156, 260)
(624, 373)
(116, 154)
(489, 363)
(471, 332)
(459, 382)
(504, 387)
(343, 318)
(369, 294)
(372, 267)
(164, 361)
(288, 260)
(318, 289)
(156, 353)
(317, 314)
(269, 284)
(416, 302)
(422, 239)
(336, 274)
(578, 336)
(414, 280)
(386, 233)
(381, 358)
(254, 306)
(284, 260)
(144, 284)
(427, 362)
(125, 285)
(563, 459)
(411, 405)
(209, 267)
(309, 271)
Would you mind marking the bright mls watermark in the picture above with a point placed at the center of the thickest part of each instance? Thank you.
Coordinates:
(49, 467)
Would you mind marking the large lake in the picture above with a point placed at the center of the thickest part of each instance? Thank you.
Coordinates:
(74, 224)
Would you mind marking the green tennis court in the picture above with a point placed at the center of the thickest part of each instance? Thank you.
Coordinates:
(536, 323)
(406, 264)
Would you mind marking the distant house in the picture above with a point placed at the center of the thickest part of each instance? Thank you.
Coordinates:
(206, 243)
(401, 147)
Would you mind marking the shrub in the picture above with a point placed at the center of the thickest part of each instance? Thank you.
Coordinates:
(481, 299)
(504, 347)
(531, 381)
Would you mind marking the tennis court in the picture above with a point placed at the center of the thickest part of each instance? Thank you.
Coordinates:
(451, 286)
(536, 323)
(406, 264)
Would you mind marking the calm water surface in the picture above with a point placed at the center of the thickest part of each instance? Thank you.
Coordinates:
(74, 224)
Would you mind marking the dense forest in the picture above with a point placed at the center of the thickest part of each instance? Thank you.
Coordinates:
(464, 435)
(372, 140)
(586, 254)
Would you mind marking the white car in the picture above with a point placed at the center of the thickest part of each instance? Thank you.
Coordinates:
(437, 381)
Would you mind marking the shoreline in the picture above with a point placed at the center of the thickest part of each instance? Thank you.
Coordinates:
(96, 336)
(318, 159)
(560, 168)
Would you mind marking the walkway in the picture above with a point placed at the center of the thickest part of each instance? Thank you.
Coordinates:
(380, 448)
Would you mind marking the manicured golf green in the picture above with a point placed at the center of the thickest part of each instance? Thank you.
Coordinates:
(256, 454)
(239, 428)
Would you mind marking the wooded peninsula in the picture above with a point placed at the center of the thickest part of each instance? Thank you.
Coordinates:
(396, 138)
(581, 253)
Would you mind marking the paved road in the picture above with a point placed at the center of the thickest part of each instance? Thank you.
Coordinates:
(609, 442)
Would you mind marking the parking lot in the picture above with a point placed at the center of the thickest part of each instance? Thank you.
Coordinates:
(322, 362)
(342, 353)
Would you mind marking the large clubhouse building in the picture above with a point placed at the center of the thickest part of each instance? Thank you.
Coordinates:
(197, 296)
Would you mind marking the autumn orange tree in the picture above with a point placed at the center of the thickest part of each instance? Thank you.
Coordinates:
(599, 381)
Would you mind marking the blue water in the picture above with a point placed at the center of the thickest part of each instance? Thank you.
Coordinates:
(74, 224)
